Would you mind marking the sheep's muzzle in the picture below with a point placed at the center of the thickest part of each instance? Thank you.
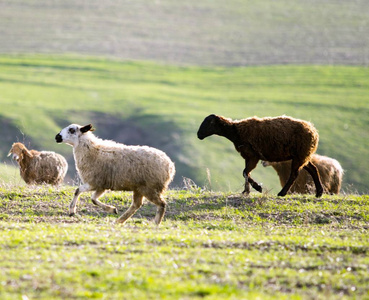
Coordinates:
(58, 138)
(201, 135)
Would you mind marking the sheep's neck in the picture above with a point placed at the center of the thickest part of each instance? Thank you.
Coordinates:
(84, 151)
(230, 132)
(23, 163)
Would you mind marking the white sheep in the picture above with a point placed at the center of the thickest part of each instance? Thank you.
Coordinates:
(39, 167)
(107, 165)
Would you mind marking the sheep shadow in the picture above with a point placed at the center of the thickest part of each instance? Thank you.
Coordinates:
(53, 207)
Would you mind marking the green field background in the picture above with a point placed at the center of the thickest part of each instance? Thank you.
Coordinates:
(163, 105)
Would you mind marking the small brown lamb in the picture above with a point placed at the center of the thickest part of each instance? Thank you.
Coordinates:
(39, 167)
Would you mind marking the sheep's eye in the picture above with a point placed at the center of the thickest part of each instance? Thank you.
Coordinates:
(72, 130)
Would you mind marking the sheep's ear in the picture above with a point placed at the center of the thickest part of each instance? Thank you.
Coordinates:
(213, 118)
(26, 152)
(11, 150)
(86, 128)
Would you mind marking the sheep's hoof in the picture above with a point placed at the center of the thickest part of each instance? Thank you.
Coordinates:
(258, 188)
(319, 193)
(115, 211)
(246, 193)
(120, 222)
(72, 214)
(280, 194)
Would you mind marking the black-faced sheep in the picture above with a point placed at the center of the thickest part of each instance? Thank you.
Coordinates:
(39, 167)
(330, 172)
(270, 139)
(107, 165)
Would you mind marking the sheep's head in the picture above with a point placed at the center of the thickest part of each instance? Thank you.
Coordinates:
(72, 133)
(18, 151)
(211, 125)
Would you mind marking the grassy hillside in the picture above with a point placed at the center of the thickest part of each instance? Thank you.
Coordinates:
(163, 105)
(210, 246)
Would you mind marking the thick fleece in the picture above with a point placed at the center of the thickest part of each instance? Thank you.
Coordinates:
(39, 167)
(330, 171)
(107, 165)
(271, 139)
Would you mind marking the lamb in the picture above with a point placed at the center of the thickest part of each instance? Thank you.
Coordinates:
(330, 172)
(107, 165)
(270, 139)
(39, 167)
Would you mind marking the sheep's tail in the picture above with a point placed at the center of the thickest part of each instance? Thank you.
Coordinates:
(172, 172)
(337, 176)
(170, 175)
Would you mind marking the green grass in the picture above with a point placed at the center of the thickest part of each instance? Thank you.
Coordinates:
(10, 173)
(163, 106)
(210, 246)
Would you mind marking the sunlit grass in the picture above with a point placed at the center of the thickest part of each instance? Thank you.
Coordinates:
(212, 245)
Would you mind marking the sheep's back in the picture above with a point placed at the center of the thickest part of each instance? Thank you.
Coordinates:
(280, 138)
(45, 167)
(121, 167)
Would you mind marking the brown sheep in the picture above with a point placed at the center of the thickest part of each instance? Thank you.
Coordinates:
(39, 167)
(270, 139)
(330, 172)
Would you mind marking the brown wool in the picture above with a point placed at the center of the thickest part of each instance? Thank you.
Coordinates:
(270, 139)
(39, 167)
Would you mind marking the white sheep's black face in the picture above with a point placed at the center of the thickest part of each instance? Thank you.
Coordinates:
(71, 134)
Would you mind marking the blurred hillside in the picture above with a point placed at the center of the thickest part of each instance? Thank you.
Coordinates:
(209, 32)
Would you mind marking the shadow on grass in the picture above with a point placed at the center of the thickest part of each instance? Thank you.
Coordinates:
(49, 205)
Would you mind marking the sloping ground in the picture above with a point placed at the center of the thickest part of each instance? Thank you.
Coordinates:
(210, 245)
(211, 32)
(163, 106)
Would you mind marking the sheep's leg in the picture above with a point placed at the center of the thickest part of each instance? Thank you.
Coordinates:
(295, 169)
(315, 174)
(250, 165)
(246, 189)
(161, 207)
(253, 183)
(137, 201)
(105, 207)
(72, 207)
